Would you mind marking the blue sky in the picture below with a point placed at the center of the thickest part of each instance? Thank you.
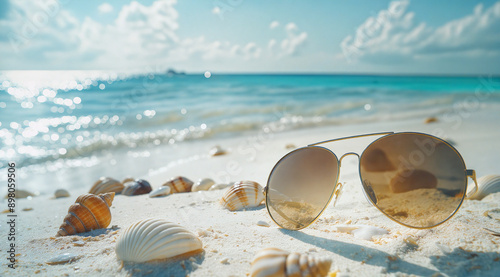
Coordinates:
(359, 36)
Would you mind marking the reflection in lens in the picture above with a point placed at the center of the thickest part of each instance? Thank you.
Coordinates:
(420, 180)
(300, 186)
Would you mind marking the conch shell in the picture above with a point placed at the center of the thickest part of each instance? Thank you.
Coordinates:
(106, 184)
(486, 185)
(179, 184)
(242, 195)
(277, 262)
(155, 238)
(90, 212)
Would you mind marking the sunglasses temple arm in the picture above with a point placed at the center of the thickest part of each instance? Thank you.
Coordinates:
(472, 174)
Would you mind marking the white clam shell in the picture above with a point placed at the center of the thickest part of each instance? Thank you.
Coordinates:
(61, 193)
(203, 184)
(277, 262)
(179, 184)
(63, 258)
(242, 195)
(486, 185)
(155, 238)
(161, 191)
(217, 151)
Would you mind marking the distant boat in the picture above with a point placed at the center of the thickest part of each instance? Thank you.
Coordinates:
(171, 72)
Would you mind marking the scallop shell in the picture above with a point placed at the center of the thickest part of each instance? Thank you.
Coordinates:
(179, 184)
(106, 184)
(161, 191)
(204, 184)
(241, 195)
(137, 187)
(61, 193)
(277, 262)
(90, 212)
(486, 185)
(156, 238)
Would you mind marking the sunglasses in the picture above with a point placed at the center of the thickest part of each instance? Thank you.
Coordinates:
(415, 179)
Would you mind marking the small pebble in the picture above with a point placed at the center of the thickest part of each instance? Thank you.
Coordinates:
(217, 151)
(224, 261)
(79, 243)
(63, 258)
(263, 223)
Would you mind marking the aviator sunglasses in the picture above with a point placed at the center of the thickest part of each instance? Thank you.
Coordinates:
(415, 179)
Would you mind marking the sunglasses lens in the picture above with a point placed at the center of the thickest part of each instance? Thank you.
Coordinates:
(415, 179)
(300, 186)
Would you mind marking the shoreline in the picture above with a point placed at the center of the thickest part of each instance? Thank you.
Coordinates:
(230, 239)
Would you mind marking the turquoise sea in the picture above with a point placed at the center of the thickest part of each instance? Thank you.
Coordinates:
(74, 116)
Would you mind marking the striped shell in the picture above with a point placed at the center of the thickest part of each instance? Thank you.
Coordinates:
(277, 262)
(486, 185)
(90, 212)
(106, 184)
(161, 191)
(179, 184)
(137, 187)
(204, 184)
(242, 195)
(155, 238)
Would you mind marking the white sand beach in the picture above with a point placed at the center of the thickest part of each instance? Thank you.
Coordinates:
(459, 247)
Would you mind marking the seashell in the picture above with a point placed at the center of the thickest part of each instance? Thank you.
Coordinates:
(179, 184)
(156, 238)
(137, 187)
(61, 193)
(277, 262)
(241, 195)
(128, 179)
(106, 184)
(161, 191)
(90, 212)
(21, 193)
(486, 185)
(219, 186)
(217, 151)
(204, 184)
(63, 258)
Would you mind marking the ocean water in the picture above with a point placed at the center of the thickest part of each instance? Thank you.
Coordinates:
(74, 116)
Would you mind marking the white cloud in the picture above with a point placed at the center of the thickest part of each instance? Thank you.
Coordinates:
(105, 8)
(394, 36)
(139, 36)
(274, 25)
(216, 10)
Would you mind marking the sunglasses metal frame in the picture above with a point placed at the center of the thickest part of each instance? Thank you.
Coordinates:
(469, 173)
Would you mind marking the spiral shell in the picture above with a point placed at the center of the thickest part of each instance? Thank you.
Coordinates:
(106, 184)
(90, 212)
(486, 185)
(277, 262)
(242, 195)
(203, 184)
(156, 238)
(179, 184)
(137, 187)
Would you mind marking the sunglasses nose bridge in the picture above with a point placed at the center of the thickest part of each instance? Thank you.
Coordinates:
(348, 154)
